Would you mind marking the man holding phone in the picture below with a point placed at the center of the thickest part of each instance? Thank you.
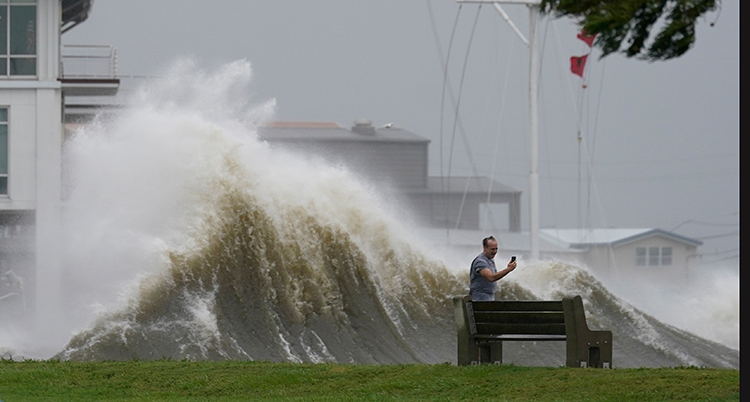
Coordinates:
(483, 274)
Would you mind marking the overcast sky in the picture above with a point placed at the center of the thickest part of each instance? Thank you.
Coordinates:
(662, 138)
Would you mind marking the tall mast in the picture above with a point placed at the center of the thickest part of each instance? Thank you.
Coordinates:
(533, 109)
(534, 132)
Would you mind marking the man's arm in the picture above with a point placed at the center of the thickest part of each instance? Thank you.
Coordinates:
(487, 273)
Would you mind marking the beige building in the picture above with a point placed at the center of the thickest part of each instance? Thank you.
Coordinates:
(655, 253)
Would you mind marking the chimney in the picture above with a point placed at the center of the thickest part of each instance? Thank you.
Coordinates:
(363, 127)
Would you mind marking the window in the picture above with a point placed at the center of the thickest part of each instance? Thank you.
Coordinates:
(17, 37)
(653, 256)
(640, 256)
(3, 151)
(666, 256)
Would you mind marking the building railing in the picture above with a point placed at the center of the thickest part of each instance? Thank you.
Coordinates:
(88, 61)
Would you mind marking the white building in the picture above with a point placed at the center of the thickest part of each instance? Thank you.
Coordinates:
(646, 253)
(32, 91)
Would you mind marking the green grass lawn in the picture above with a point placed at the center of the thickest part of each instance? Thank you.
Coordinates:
(241, 381)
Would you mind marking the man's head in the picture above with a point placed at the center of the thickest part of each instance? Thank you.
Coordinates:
(490, 246)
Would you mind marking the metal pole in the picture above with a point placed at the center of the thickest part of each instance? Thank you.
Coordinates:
(534, 132)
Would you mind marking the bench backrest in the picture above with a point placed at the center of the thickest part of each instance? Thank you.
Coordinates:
(516, 317)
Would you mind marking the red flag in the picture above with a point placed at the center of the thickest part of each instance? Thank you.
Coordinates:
(586, 38)
(577, 64)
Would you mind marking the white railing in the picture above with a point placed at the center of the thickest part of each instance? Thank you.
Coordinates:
(88, 61)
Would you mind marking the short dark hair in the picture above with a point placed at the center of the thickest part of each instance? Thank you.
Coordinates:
(486, 239)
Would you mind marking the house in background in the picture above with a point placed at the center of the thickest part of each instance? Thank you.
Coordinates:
(647, 253)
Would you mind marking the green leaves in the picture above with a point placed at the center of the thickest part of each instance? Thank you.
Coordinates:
(626, 26)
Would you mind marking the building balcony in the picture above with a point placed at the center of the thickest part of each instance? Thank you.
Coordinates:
(89, 70)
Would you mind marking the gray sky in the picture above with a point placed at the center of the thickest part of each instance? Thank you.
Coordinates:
(662, 138)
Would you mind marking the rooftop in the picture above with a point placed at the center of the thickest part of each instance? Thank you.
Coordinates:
(458, 184)
(519, 242)
(362, 130)
(580, 237)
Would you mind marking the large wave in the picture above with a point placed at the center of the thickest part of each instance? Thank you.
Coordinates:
(229, 249)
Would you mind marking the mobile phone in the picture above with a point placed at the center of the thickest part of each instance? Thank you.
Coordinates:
(512, 258)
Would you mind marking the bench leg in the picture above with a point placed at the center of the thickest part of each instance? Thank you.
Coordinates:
(496, 353)
(468, 351)
(491, 353)
(594, 355)
(585, 348)
(591, 353)
(605, 351)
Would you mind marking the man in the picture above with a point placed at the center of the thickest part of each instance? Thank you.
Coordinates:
(483, 273)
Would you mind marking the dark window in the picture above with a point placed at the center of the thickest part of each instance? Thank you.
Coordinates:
(653, 256)
(640, 256)
(18, 37)
(666, 256)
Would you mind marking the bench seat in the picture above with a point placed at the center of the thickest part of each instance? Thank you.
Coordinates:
(517, 337)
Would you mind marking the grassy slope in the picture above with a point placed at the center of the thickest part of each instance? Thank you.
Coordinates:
(238, 381)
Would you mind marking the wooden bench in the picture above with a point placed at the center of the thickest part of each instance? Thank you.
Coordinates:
(483, 326)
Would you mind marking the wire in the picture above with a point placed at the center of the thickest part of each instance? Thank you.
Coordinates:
(456, 119)
(593, 139)
(455, 103)
(504, 92)
(720, 236)
(702, 223)
(446, 84)
(444, 64)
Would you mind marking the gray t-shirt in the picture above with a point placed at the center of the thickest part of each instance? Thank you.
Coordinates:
(477, 283)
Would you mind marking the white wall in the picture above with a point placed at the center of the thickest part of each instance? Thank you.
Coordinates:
(35, 155)
(21, 105)
(34, 120)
